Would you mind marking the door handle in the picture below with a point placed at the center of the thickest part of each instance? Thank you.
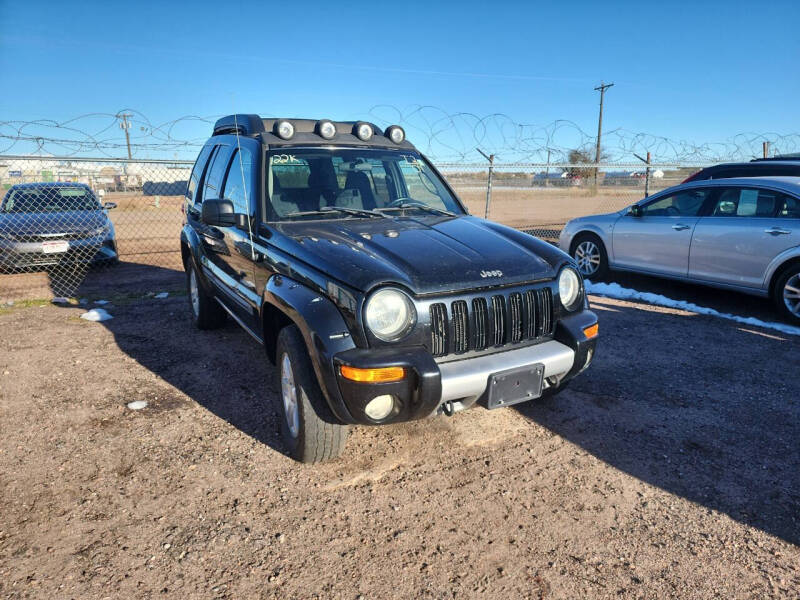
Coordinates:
(778, 231)
(680, 227)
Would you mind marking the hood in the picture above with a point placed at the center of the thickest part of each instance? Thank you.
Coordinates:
(426, 254)
(73, 222)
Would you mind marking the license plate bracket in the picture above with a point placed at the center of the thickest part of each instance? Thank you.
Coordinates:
(513, 386)
(55, 247)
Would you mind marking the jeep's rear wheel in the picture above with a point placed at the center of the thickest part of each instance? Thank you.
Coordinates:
(206, 313)
(310, 431)
(589, 252)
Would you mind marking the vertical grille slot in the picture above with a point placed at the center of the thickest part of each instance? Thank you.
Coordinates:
(515, 317)
(530, 314)
(498, 320)
(481, 313)
(460, 327)
(544, 307)
(438, 329)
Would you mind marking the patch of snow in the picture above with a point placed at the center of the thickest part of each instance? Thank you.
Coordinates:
(96, 314)
(161, 296)
(615, 290)
(137, 405)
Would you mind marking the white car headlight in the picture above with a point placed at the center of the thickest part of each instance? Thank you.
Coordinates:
(569, 288)
(389, 314)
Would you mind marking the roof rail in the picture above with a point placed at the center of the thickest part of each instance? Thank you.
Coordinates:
(241, 124)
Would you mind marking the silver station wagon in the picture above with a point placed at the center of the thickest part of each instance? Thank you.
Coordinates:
(741, 234)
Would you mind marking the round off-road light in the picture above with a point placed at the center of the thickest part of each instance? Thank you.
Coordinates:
(364, 131)
(396, 134)
(389, 314)
(380, 407)
(569, 288)
(326, 129)
(284, 129)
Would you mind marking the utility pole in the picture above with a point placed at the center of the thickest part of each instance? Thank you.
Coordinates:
(765, 149)
(602, 89)
(490, 158)
(126, 126)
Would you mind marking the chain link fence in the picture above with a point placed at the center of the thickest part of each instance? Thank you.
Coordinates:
(74, 227)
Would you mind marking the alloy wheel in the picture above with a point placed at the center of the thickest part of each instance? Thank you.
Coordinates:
(791, 294)
(194, 293)
(289, 396)
(587, 255)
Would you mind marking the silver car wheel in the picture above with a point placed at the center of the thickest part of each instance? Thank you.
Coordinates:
(791, 295)
(587, 255)
(194, 293)
(289, 395)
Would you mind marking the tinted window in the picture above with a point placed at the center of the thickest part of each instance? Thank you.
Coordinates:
(745, 202)
(682, 204)
(197, 172)
(239, 181)
(790, 208)
(307, 180)
(216, 172)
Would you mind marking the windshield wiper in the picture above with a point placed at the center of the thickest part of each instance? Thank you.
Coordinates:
(362, 212)
(403, 205)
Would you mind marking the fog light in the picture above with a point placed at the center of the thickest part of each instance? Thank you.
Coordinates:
(326, 129)
(284, 129)
(396, 134)
(364, 131)
(379, 407)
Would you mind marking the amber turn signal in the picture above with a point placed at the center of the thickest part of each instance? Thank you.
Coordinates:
(381, 375)
(592, 331)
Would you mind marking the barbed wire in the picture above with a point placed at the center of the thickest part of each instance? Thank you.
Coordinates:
(444, 136)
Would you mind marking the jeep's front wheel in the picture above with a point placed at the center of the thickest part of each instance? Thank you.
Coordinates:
(310, 431)
(205, 312)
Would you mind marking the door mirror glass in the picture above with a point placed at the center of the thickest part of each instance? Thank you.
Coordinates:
(635, 211)
(218, 213)
(109, 205)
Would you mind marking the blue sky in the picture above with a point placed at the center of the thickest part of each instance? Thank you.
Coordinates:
(702, 71)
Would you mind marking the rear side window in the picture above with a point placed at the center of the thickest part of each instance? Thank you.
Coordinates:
(683, 204)
(239, 183)
(197, 172)
(216, 172)
(747, 202)
(790, 208)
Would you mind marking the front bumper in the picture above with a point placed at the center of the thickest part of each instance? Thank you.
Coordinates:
(460, 383)
(23, 255)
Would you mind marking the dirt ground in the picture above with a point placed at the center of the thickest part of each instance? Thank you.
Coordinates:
(670, 469)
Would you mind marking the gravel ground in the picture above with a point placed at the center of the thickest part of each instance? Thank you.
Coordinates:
(670, 469)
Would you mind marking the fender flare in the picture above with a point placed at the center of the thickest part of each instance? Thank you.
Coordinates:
(323, 327)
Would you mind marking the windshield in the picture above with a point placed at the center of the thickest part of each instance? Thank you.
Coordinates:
(348, 183)
(49, 200)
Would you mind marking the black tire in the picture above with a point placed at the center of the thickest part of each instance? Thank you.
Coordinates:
(790, 276)
(315, 435)
(579, 244)
(205, 312)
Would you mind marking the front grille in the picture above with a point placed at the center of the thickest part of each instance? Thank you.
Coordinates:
(494, 321)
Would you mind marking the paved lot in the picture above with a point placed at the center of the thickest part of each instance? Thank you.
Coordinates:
(670, 469)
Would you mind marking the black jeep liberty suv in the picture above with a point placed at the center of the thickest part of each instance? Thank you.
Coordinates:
(342, 250)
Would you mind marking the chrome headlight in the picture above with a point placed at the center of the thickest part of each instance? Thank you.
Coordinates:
(396, 134)
(326, 129)
(389, 314)
(569, 288)
(284, 129)
(363, 131)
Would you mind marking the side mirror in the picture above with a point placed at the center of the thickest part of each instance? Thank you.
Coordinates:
(635, 211)
(218, 213)
(109, 205)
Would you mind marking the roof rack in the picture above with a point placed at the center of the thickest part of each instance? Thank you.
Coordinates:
(241, 124)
